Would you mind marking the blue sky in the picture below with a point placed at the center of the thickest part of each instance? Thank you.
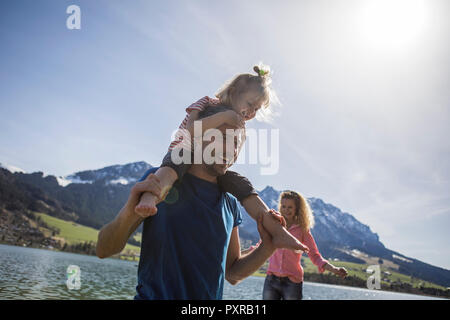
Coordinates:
(363, 86)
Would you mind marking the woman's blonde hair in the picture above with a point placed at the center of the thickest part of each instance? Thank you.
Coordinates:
(303, 213)
(262, 81)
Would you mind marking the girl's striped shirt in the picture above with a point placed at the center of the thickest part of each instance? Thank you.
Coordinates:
(182, 129)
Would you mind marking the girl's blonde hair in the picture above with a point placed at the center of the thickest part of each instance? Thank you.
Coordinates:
(303, 214)
(261, 81)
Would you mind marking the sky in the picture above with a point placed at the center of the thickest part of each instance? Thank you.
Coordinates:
(363, 85)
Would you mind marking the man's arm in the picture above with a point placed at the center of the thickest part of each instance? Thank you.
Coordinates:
(239, 267)
(113, 237)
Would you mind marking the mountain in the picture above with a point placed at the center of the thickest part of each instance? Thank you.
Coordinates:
(11, 168)
(94, 197)
(340, 235)
(123, 174)
(91, 197)
(333, 230)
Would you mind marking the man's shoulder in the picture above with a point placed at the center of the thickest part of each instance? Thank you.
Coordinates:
(232, 199)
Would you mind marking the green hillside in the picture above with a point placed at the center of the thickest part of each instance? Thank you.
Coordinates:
(72, 233)
(388, 275)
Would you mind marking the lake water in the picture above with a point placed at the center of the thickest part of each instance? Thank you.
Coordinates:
(27, 273)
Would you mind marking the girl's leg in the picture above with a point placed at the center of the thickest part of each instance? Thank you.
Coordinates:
(281, 238)
(239, 186)
(147, 205)
(243, 190)
(167, 174)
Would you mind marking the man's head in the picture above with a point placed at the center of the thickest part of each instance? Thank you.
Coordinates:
(224, 146)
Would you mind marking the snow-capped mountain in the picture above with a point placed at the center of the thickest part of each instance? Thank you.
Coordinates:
(117, 174)
(340, 235)
(332, 226)
(11, 168)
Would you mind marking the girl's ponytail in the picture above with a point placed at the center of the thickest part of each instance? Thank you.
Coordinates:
(260, 72)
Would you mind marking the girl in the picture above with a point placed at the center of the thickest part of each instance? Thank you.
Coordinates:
(245, 94)
(284, 278)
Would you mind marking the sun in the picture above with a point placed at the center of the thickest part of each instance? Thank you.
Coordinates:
(392, 24)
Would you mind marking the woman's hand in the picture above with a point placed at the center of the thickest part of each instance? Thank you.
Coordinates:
(341, 272)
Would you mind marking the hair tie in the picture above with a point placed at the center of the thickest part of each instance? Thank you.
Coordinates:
(260, 72)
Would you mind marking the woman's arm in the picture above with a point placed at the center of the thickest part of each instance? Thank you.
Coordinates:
(113, 237)
(313, 254)
(317, 259)
(342, 272)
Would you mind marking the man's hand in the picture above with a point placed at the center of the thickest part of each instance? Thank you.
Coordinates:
(113, 237)
(266, 238)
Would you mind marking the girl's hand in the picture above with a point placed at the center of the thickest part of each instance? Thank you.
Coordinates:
(235, 119)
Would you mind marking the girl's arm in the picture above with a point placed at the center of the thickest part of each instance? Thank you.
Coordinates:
(212, 122)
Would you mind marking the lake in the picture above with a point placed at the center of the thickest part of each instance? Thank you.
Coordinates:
(27, 273)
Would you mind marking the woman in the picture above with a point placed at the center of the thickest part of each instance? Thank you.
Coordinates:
(285, 273)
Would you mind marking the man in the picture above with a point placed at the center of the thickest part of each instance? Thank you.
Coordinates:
(192, 244)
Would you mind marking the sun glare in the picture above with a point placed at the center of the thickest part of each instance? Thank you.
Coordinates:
(392, 24)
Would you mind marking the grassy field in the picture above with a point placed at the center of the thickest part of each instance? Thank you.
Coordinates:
(359, 270)
(72, 232)
(138, 236)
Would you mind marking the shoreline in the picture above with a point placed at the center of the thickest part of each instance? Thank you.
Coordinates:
(263, 275)
(117, 257)
(258, 274)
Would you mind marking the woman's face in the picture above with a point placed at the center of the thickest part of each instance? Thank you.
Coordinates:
(287, 209)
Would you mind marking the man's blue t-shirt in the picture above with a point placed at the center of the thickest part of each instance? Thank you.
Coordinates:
(184, 246)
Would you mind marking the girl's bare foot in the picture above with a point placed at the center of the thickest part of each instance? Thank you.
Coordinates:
(147, 205)
(283, 239)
